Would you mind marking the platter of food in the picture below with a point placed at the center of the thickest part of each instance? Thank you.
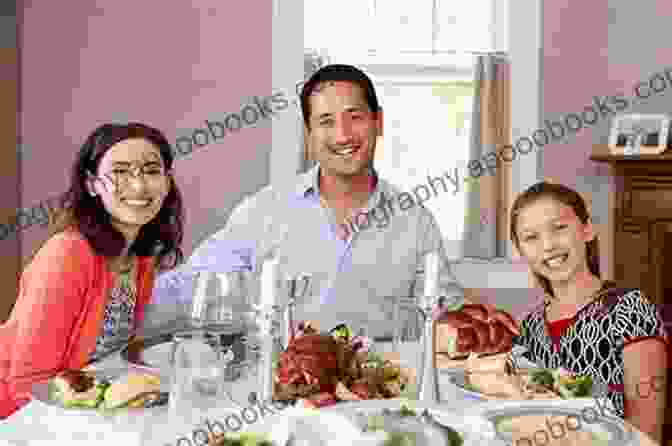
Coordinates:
(413, 423)
(364, 423)
(497, 379)
(562, 422)
(241, 439)
(321, 369)
(103, 392)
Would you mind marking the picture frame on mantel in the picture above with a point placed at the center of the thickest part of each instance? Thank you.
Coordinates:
(639, 134)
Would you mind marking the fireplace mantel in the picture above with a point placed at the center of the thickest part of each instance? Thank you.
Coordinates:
(642, 228)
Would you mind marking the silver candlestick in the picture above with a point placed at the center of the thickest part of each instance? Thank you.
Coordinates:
(269, 338)
(289, 312)
(428, 386)
(288, 322)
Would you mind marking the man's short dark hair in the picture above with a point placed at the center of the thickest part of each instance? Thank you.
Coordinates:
(335, 73)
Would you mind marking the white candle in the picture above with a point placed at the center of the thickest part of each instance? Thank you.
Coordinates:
(200, 296)
(431, 275)
(269, 272)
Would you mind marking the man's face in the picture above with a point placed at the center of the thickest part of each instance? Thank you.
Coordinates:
(343, 130)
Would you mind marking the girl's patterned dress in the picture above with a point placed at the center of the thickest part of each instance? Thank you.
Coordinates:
(591, 342)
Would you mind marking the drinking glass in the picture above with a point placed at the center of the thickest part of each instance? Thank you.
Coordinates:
(199, 381)
(404, 335)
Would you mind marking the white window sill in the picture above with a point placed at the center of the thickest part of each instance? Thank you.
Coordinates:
(491, 273)
(482, 260)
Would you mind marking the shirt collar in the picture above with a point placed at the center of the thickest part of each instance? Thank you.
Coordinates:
(308, 185)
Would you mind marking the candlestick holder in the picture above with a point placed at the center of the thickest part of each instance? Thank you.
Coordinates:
(276, 330)
(428, 386)
(289, 311)
(265, 318)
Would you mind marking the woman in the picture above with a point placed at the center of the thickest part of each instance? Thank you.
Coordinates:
(85, 290)
(586, 325)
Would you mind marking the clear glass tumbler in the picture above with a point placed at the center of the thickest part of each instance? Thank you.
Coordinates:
(199, 382)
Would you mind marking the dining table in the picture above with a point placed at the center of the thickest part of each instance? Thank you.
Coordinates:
(38, 424)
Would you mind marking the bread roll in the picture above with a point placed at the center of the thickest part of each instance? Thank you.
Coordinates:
(128, 387)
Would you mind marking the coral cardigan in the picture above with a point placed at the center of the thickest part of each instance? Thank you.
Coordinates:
(59, 314)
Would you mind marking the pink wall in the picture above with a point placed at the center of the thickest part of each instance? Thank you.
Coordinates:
(169, 64)
(575, 68)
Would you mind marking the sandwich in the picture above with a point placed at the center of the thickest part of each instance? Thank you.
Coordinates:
(78, 389)
(126, 390)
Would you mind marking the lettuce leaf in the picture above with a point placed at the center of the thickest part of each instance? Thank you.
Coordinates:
(543, 377)
(576, 387)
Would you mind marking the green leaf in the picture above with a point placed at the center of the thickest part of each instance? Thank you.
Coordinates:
(543, 377)
(470, 387)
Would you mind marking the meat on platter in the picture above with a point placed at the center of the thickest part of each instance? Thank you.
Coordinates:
(321, 369)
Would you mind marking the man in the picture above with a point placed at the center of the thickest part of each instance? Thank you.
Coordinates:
(322, 223)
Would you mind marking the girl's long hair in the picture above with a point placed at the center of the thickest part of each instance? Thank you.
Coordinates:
(568, 197)
(161, 237)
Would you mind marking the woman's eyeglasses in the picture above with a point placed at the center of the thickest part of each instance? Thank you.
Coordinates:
(122, 176)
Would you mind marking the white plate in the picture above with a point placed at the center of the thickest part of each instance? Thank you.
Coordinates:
(458, 380)
(607, 424)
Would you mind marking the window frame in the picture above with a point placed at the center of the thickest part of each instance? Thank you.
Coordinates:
(420, 74)
(524, 33)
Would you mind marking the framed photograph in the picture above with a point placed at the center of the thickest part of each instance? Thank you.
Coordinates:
(636, 134)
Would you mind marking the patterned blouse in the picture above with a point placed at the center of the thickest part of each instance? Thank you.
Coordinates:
(119, 316)
(591, 342)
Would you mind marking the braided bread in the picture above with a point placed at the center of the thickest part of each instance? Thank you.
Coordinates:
(479, 329)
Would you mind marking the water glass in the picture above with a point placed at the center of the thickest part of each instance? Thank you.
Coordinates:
(199, 376)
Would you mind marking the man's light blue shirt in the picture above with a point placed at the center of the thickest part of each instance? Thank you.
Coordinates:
(355, 280)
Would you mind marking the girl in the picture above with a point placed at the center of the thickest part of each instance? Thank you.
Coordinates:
(587, 325)
(85, 290)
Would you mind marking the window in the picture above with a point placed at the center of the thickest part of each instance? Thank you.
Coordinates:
(418, 55)
(426, 134)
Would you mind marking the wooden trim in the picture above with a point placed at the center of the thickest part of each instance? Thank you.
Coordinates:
(601, 153)
(10, 198)
(657, 253)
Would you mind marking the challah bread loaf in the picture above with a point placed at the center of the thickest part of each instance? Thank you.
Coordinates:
(477, 328)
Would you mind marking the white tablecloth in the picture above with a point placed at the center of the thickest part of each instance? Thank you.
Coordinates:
(38, 424)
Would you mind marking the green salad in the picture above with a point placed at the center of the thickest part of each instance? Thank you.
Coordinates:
(567, 385)
(55, 394)
(241, 439)
(378, 422)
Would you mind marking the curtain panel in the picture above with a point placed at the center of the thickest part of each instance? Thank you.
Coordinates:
(487, 198)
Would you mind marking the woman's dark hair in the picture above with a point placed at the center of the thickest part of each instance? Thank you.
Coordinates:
(161, 237)
(335, 73)
(568, 197)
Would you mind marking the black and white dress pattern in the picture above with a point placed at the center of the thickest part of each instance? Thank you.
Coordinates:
(593, 343)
